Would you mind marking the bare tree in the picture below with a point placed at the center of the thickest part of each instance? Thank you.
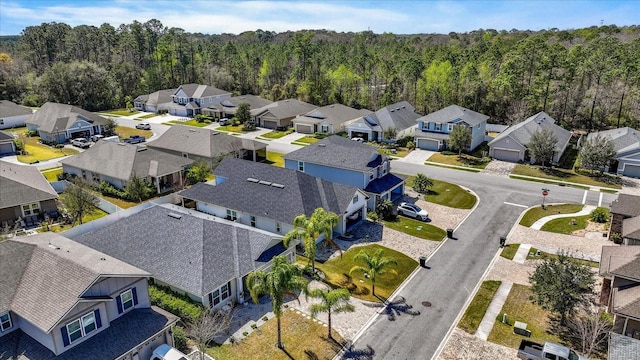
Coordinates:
(590, 329)
(207, 327)
(78, 200)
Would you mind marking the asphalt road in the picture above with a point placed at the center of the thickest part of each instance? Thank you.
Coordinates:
(457, 267)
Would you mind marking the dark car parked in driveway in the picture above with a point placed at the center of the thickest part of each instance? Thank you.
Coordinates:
(135, 139)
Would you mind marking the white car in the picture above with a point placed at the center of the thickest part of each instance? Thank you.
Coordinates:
(81, 143)
(166, 352)
(143, 126)
(413, 211)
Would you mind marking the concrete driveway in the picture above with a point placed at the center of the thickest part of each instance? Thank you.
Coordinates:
(417, 156)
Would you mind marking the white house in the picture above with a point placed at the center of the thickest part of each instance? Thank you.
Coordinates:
(12, 114)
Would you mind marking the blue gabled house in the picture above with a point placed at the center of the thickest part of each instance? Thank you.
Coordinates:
(434, 129)
(349, 162)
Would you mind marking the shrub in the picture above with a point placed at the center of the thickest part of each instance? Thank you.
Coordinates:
(59, 146)
(616, 238)
(265, 318)
(384, 208)
(180, 338)
(373, 216)
(600, 215)
(404, 142)
(178, 304)
(411, 145)
(30, 133)
(245, 333)
(254, 326)
(107, 189)
(19, 144)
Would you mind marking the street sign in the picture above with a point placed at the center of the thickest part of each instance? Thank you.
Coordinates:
(545, 192)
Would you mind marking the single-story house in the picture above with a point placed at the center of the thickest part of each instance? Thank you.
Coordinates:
(511, 144)
(327, 119)
(205, 257)
(58, 123)
(117, 163)
(65, 301)
(154, 102)
(283, 194)
(434, 129)
(280, 114)
(207, 144)
(400, 116)
(12, 114)
(349, 162)
(626, 142)
(25, 195)
(227, 107)
(625, 218)
(7, 144)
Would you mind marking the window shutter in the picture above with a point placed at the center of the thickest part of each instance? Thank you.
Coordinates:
(96, 313)
(135, 296)
(65, 336)
(119, 303)
(210, 300)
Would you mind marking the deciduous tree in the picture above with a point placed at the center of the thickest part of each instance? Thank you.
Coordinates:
(542, 146)
(597, 153)
(78, 200)
(460, 139)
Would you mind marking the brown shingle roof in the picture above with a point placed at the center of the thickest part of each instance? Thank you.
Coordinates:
(626, 301)
(631, 228)
(626, 205)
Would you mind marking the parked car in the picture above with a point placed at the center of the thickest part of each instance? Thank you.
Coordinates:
(530, 350)
(358, 139)
(97, 137)
(224, 121)
(143, 126)
(413, 211)
(81, 143)
(135, 139)
(166, 352)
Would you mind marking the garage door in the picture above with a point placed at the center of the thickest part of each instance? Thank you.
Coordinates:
(6, 149)
(507, 155)
(632, 171)
(269, 124)
(428, 144)
(304, 129)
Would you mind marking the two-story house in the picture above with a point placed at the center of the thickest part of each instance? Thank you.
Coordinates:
(57, 123)
(269, 198)
(349, 162)
(63, 300)
(434, 129)
(189, 99)
(202, 256)
(400, 117)
(327, 119)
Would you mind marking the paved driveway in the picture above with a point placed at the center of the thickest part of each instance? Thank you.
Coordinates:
(417, 156)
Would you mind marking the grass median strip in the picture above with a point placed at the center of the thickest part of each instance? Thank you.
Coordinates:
(535, 254)
(416, 228)
(509, 251)
(538, 212)
(447, 194)
(565, 175)
(478, 306)
(566, 225)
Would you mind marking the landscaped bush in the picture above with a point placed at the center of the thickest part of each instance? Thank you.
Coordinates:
(321, 135)
(600, 215)
(616, 238)
(30, 133)
(180, 338)
(403, 142)
(178, 304)
(109, 190)
(411, 145)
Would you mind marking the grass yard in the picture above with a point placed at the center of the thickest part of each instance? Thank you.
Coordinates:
(148, 116)
(275, 134)
(566, 225)
(52, 174)
(231, 128)
(399, 152)
(537, 213)
(121, 112)
(301, 337)
(275, 159)
(96, 214)
(468, 169)
(337, 273)
(509, 251)
(37, 151)
(518, 307)
(416, 228)
(566, 175)
(125, 132)
(306, 140)
(552, 182)
(447, 194)
(464, 161)
(478, 306)
(535, 254)
(187, 123)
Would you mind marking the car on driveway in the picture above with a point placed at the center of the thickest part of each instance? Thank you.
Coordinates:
(135, 139)
(143, 126)
(224, 121)
(413, 211)
(81, 143)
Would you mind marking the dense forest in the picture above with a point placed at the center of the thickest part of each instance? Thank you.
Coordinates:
(585, 78)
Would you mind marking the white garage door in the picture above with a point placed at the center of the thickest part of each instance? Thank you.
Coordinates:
(506, 155)
(304, 129)
(632, 171)
(428, 144)
(269, 124)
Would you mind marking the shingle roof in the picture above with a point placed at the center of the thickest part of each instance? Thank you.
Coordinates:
(300, 193)
(191, 251)
(380, 185)
(625, 140)
(400, 115)
(229, 104)
(122, 335)
(338, 152)
(334, 114)
(64, 268)
(623, 347)
(202, 142)
(53, 115)
(631, 228)
(454, 113)
(522, 132)
(10, 109)
(157, 98)
(620, 261)
(199, 91)
(626, 205)
(285, 109)
(626, 300)
(122, 161)
(5, 136)
(21, 184)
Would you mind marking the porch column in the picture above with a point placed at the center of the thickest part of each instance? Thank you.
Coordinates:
(157, 185)
(624, 328)
(255, 156)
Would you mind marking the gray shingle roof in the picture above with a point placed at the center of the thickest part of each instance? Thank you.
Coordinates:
(194, 252)
(625, 140)
(338, 152)
(157, 98)
(5, 136)
(285, 109)
(64, 270)
(626, 300)
(614, 259)
(400, 115)
(452, 113)
(522, 132)
(122, 161)
(631, 228)
(229, 104)
(301, 194)
(334, 114)
(623, 347)
(626, 205)
(21, 184)
(10, 109)
(53, 115)
(199, 91)
(202, 142)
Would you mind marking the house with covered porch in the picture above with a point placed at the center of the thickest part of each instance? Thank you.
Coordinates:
(189, 99)
(227, 107)
(58, 123)
(400, 117)
(280, 114)
(434, 128)
(328, 119)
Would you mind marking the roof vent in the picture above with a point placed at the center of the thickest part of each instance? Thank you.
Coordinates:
(253, 180)
(121, 143)
(276, 185)
(54, 247)
(403, 106)
(322, 145)
(175, 216)
(263, 182)
(193, 130)
(392, 110)
(141, 149)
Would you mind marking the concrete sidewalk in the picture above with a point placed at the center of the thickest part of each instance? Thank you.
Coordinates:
(585, 211)
(493, 311)
(521, 254)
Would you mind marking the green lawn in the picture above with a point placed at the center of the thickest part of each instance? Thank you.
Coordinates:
(447, 194)
(52, 174)
(464, 160)
(543, 181)
(231, 128)
(416, 228)
(467, 169)
(96, 214)
(566, 175)
(275, 159)
(337, 273)
(301, 337)
(533, 255)
(509, 251)
(148, 116)
(399, 152)
(538, 212)
(306, 140)
(518, 307)
(37, 151)
(125, 132)
(187, 123)
(566, 225)
(121, 112)
(275, 134)
(478, 306)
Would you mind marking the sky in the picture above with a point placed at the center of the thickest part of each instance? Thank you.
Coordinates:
(398, 17)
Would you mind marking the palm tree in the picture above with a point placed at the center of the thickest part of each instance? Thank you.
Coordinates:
(335, 301)
(283, 279)
(422, 183)
(309, 229)
(375, 265)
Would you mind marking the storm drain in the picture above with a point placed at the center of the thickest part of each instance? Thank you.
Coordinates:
(426, 303)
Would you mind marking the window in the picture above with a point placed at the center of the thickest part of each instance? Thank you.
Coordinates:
(253, 221)
(127, 300)
(220, 294)
(81, 327)
(88, 323)
(84, 174)
(1, 121)
(232, 215)
(301, 166)
(355, 199)
(438, 126)
(74, 330)
(450, 127)
(31, 209)
(96, 177)
(5, 322)
(278, 229)
(324, 128)
(371, 175)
